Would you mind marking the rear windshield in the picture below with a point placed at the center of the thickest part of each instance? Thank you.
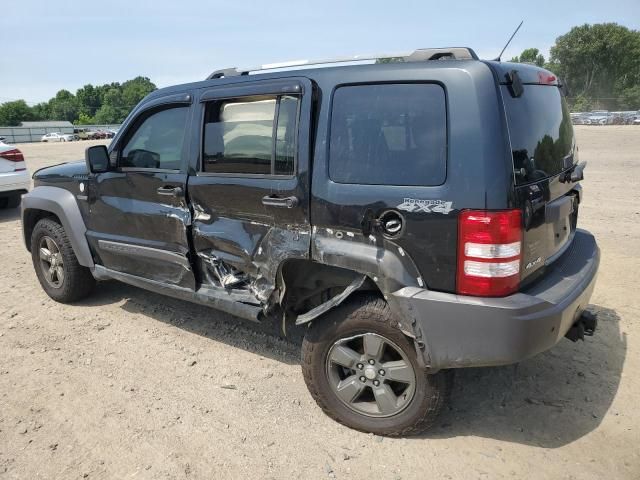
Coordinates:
(541, 132)
(389, 134)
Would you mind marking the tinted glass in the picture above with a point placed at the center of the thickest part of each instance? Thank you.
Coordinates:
(239, 136)
(286, 135)
(157, 141)
(391, 134)
(541, 132)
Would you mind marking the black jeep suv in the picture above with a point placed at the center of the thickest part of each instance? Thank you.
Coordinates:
(413, 215)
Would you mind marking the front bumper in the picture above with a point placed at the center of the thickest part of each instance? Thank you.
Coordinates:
(460, 331)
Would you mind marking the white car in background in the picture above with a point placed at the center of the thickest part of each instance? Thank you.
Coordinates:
(14, 177)
(57, 137)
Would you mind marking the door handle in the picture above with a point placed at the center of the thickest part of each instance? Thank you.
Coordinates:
(170, 191)
(281, 202)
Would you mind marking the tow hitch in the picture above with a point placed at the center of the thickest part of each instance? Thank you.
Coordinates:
(585, 325)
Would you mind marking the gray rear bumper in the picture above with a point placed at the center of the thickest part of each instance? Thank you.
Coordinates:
(460, 331)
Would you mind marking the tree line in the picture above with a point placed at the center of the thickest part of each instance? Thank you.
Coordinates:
(102, 104)
(600, 65)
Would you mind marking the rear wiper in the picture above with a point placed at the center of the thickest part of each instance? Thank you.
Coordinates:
(574, 174)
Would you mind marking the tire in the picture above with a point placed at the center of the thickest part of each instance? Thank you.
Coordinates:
(75, 282)
(369, 318)
(14, 201)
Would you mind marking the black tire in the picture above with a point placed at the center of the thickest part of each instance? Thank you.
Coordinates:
(78, 282)
(361, 315)
(14, 201)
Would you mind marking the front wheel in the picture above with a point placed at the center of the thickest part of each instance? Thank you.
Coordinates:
(56, 265)
(363, 371)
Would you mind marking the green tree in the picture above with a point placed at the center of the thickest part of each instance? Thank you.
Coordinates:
(40, 111)
(600, 60)
(630, 98)
(530, 55)
(135, 90)
(581, 104)
(63, 106)
(89, 100)
(12, 113)
(113, 109)
(84, 119)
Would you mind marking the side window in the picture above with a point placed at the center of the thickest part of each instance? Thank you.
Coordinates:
(389, 134)
(157, 141)
(251, 135)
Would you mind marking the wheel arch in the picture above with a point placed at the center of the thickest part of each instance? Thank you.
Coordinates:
(60, 204)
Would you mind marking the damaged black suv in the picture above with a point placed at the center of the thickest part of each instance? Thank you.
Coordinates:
(413, 215)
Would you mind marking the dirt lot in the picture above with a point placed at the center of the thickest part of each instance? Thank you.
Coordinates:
(132, 384)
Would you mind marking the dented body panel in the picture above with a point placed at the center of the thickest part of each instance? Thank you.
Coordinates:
(234, 221)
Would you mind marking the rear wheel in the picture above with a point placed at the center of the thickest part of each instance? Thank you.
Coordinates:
(57, 267)
(363, 371)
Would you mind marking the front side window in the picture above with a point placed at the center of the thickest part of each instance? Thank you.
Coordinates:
(389, 134)
(251, 135)
(157, 141)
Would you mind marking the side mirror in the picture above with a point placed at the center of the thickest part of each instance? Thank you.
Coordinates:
(97, 158)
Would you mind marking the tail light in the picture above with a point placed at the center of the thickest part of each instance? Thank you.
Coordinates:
(14, 155)
(489, 252)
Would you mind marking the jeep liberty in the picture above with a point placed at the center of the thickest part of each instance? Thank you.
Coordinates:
(413, 215)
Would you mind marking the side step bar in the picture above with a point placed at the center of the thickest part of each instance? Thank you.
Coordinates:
(220, 299)
(585, 326)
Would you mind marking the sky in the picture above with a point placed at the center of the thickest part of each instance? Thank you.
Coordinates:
(63, 44)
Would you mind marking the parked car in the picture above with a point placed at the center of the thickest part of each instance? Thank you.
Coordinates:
(57, 137)
(14, 177)
(401, 215)
(81, 133)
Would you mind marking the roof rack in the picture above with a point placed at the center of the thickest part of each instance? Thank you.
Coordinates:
(419, 55)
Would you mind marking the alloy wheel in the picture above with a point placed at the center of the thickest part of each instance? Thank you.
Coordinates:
(51, 262)
(371, 375)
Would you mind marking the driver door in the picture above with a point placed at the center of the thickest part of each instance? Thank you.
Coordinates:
(138, 214)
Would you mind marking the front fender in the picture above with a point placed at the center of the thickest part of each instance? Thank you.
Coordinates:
(63, 204)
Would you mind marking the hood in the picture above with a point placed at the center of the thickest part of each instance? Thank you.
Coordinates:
(64, 171)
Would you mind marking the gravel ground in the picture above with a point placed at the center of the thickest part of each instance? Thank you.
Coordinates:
(133, 384)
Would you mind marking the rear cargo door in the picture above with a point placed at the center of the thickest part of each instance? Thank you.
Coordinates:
(543, 149)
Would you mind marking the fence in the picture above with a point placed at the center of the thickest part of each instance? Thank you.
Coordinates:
(34, 134)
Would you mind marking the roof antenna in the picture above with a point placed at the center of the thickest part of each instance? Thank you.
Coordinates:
(510, 38)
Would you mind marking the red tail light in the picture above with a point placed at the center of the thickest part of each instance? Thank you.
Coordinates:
(489, 252)
(14, 155)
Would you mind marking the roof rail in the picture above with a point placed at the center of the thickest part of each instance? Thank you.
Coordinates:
(419, 55)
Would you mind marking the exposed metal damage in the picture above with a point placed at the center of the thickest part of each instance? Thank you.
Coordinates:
(293, 271)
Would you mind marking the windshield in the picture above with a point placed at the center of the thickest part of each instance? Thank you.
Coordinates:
(541, 132)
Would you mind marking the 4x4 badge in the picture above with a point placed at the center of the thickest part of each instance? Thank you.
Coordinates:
(425, 206)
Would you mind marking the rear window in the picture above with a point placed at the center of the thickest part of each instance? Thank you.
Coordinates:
(541, 132)
(390, 134)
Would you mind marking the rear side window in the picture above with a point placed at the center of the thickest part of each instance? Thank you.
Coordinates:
(251, 135)
(388, 134)
(541, 132)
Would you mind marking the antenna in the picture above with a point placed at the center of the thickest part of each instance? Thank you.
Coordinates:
(510, 38)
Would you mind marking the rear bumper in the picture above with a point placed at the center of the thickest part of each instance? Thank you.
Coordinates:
(461, 331)
(14, 182)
